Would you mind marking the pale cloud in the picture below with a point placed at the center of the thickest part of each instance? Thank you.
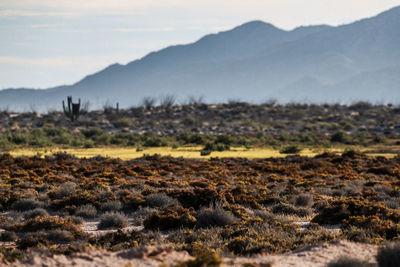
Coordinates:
(285, 12)
(34, 62)
(40, 26)
(5, 13)
(128, 30)
(88, 4)
(71, 8)
(60, 62)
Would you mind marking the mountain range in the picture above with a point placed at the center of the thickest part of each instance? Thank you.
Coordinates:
(253, 62)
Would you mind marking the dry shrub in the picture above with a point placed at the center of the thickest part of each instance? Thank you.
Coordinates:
(217, 216)
(360, 235)
(170, 219)
(87, 211)
(304, 200)
(111, 206)
(38, 212)
(389, 255)
(288, 209)
(113, 220)
(342, 209)
(45, 223)
(8, 236)
(32, 240)
(118, 240)
(59, 236)
(26, 204)
(203, 257)
(348, 262)
(141, 214)
(76, 219)
(160, 200)
(66, 190)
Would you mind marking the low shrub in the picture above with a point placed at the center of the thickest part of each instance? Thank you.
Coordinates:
(313, 164)
(389, 255)
(393, 203)
(65, 190)
(360, 235)
(38, 212)
(293, 149)
(113, 220)
(87, 211)
(123, 123)
(348, 262)
(160, 200)
(26, 204)
(141, 214)
(288, 209)
(342, 209)
(381, 170)
(45, 223)
(304, 200)
(263, 214)
(8, 236)
(32, 240)
(4, 221)
(224, 139)
(111, 206)
(134, 201)
(11, 254)
(351, 153)
(76, 219)
(200, 196)
(340, 137)
(203, 257)
(153, 141)
(217, 216)
(169, 219)
(205, 152)
(78, 198)
(217, 145)
(118, 240)
(59, 236)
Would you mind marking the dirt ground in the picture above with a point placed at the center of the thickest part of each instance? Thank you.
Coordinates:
(318, 255)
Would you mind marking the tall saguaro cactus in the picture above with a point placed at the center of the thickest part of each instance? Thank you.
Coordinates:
(72, 110)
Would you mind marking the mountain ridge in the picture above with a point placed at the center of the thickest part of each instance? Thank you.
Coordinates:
(253, 62)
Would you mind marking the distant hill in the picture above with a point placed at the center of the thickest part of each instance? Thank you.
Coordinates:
(253, 62)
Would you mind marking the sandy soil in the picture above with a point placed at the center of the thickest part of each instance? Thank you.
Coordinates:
(91, 227)
(144, 256)
(318, 255)
(315, 256)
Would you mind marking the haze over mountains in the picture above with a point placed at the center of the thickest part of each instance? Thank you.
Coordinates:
(253, 62)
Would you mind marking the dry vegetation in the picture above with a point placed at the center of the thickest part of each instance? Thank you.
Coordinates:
(207, 207)
(249, 201)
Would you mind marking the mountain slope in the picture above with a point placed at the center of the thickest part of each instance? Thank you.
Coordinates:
(252, 62)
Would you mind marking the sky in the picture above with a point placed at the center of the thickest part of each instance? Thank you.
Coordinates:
(45, 43)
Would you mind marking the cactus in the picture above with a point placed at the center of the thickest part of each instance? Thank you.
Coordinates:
(72, 110)
(109, 109)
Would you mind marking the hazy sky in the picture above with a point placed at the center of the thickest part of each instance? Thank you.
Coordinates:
(45, 43)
